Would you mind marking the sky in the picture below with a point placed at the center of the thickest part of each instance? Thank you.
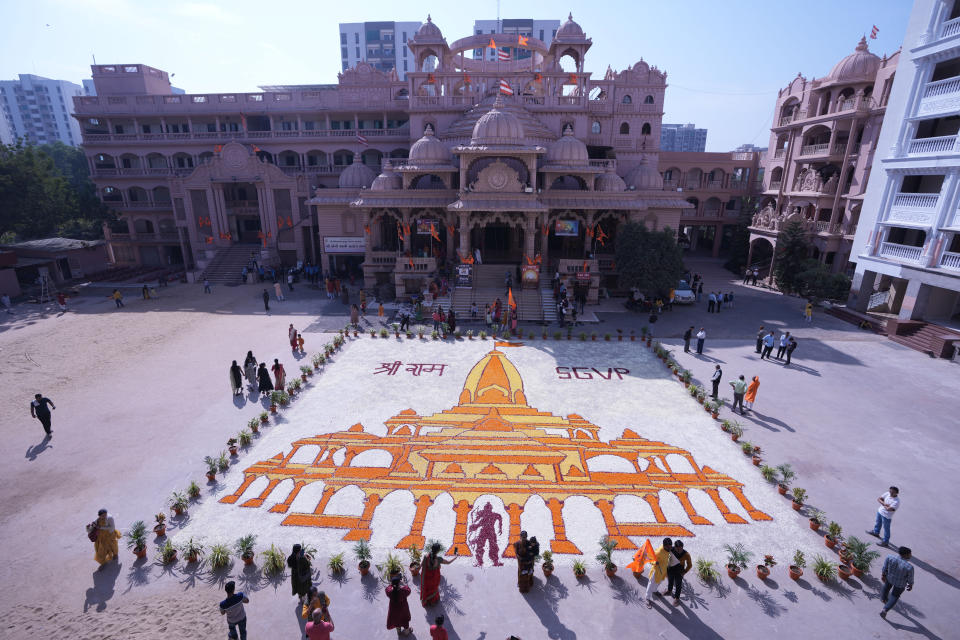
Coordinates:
(725, 61)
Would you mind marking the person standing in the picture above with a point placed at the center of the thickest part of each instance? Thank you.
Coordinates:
(699, 291)
(715, 380)
(266, 301)
(263, 379)
(767, 346)
(719, 297)
(452, 321)
(355, 316)
(751, 396)
(300, 572)
(756, 274)
(61, 301)
(897, 575)
(321, 626)
(889, 503)
(739, 390)
(808, 313)
(290, 279)
(658, 570)
(473, 310)
(791, 346)
(206, 286)
(145, 291)
(232, 607)
(105, 544)
(117, 298)
(300, 342)
(437, 632)
(711, 302)
(782, 347)
(7, 305)
(430, 574)
(38, 410)
(760, 340)
(236, 378)
(679, 563)
(398, 610)
(526, 551)
(730, 299)
(701, 337)
(278, 291)
(250, 370)
(279, 374)
(687, 335)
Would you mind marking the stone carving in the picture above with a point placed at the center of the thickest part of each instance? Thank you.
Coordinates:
(830, 186)
(234, 155)
(900, 215)
(497, 177)
(811, 181)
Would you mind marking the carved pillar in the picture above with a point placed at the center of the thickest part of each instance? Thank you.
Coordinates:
(545, 242)
(415, 537)
(465, 249)
(462, 510)
(513, 511)
(559, 544)
(362, 530)
(449, 222)
(529, 234)
(613, 530)
(282, 507)
(407, 240)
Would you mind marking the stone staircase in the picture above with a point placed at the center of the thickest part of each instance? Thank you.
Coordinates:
(548, 305)
(925, 337)
(488, 285)
(226, 266)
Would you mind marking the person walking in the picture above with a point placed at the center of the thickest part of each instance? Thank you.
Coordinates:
(232, 607)
(430, 574)
(715, 380)
(889, 503)
(250, 370)
(897, 576)
(437, 632)
(278, 291)
(279, 374)
(808, 313)
(39, 410)
(751, 395)
(687, 335)
(206, 286)
(711, 302)
(263, 379)
(398, 610)
(678, 564)
(103, 532)
(739, 390)
(699, 291)
(300, 342)
(300, 572)
(701, 336)
(782, 347)
(791, 347)
(730, 299)
(355, 315)
(526, 551)
(266, 301)
(236, 378)
(767, 345)
(658, 570)
(760, 335)
(117, 298)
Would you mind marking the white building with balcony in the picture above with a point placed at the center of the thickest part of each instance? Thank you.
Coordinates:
(907, 246)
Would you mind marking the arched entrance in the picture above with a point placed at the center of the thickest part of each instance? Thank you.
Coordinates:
(761, 255)
(243, 211)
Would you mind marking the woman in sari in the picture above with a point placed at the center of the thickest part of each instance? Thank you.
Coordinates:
(527, 552)
(105, 546)
(279, 373)
(430, 574)
(236, 378)
(300, 572)
(751, 396)
(263, 379)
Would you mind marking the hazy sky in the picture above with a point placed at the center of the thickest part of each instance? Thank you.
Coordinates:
(725, 60)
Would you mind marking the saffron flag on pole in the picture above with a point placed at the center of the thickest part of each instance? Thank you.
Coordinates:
(505, 88)
(643, 555)
(492, 45)
(573, 78)
(874, 32)
(510, 301)
(433, 232)
(522, 40)
(503, 56)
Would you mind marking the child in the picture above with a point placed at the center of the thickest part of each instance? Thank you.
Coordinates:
(300, 342)
(379, 309)
(473, 311)
(437, 632)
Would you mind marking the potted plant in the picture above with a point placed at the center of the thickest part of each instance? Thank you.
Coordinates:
(193, 550)
(606, 337)
(390, 567)
(212, 466)
(291, 389)
(737, 559)
(373, 333)
(579, 569)
(409, 334)
(844, 570)
(469, 334)
(273, 560)
(363, 554)
(583, 336)
(557, 335)
(336, 564)
(232, 446)
(861, 556)
(799, 562)
(685, 376)
(435, 334)
(219, 556)
(756, 457)
(833, 534)
(735, 431)
(223, 462)
(317, 360)
(824, 569)
(701, 395)
(483, 335)
(799, 495)
(384, 333)
(714, 408)
(304, 372)
(137, 538)
(284, 398)
(547, 557)
(619, 335)
(275, 399)
(160, 526)
(605, 557)
(244, 548)
(707, 571)
(817, 518)
(593, 335)
(458, 334)
(264, 417)
(633, 337)
(787, 474)
(416, 557)
(769, 473)
(543, 335)
(746, 447)
(168, 553)
(244, 438)
(254, 424)
(420, 331)
(763, 570)
(193, 490)
(179, 503)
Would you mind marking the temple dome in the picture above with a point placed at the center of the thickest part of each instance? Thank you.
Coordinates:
(643, 176)
(861, 65)
(388, 179)
(497, 127)
(569, 29)
(429, 150)
(493, 380)
(567, 150)
(429, 31)
(610, 181)
(357, 175)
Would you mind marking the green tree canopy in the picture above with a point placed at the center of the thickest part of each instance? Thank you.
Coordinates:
(793, 250)
(648, 260)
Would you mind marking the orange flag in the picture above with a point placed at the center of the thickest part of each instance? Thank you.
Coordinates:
(643, 555)
(466, 78)
(410, 262)
(521, 40)
(586, 265)
(280, 222)
(406, 229)
(433, 232)
(492, 45)
(546, 230)
(510, 300)
(538, 77)
(573, 78)
(217, 148)
(209, 240)
(289, 221)
(366, 229)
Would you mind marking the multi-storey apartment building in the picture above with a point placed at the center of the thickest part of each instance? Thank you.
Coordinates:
(682, 137)
(542, 30)
(38, 110)
(820, 154)
(907, 245)
(382, 45)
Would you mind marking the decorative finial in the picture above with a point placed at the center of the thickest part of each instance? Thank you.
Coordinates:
(862, 45)
(498, 102)
(428, 130)
(570, 17)
(428, 18)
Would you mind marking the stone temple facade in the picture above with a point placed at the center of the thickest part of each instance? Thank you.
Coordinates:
(517, 163)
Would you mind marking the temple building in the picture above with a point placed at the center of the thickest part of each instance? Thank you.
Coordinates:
(525, 163)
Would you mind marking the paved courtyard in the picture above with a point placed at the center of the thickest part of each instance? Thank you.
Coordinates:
(142, 396)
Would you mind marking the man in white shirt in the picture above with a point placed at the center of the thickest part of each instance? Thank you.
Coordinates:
(701, 336)
(889, 502)
(784, 339)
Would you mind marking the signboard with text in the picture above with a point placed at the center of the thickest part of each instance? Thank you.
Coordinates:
(423, 225)
(464, 276)
(566, 228)
(344, 244)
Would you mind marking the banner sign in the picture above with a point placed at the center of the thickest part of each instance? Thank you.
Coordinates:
(566, 228)
(464, 278)
(423, 225)
(344, 244)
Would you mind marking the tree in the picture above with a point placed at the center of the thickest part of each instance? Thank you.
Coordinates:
(793, 250)
(648, 260)
(740, 242)
(816, 281)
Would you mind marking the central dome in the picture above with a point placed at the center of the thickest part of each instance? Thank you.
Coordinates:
(429, 150)
(609, 181)
(644, 176)
(569, 29)
(388, 179)
(567, 150)
(357, 175)
(429, 31)
(493, 380)
(861, 65)
(497, 127)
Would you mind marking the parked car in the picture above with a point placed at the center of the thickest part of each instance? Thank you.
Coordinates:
(683, 294)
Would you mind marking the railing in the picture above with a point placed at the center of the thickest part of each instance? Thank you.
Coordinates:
(878, 298)
(937, 144)
(787, 119)
(850, 230)
(779, 153)
(916, 200)
(847, 104)
(712, 212)
(942, 87)
(811, 149)
(821, 225)
(950, 28)
(604, 164)
(840, 148)
(775, 185)
(949, 259)
(900, 251)
(401, 132)
(715, 184)
(692, 184)
(422, 265)
(670, 184)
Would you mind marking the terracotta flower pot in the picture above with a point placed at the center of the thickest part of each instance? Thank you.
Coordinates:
(233, 450)
(247, 560)
(782, 489)
(356, 334)
(733, 571)
(763, 571)
(814, 525)
(593, 337)
(619, 338)
(845, 557)
(212, 477)
(273, 408)
(857, 573)
(173, 559)
(160, 530)
(177, 511)
(303, 377)
(610, 570)
(633, 338)
(192, 558)
(547, 570)
(607, 338)
(843, 571)
(140, 552)
(757, 460)
(264, 419)
(795, 572)
(309, 373)
(255, 428)
(796, 505)
(364, 568)
(579, 574)
(830, 542)
(734, 437)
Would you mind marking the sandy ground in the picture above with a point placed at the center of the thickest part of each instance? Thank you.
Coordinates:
(142, 395)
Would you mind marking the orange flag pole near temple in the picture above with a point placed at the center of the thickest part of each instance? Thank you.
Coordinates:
(643, 555)
(510, 301)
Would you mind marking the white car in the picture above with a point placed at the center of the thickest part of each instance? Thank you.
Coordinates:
(683, 294)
